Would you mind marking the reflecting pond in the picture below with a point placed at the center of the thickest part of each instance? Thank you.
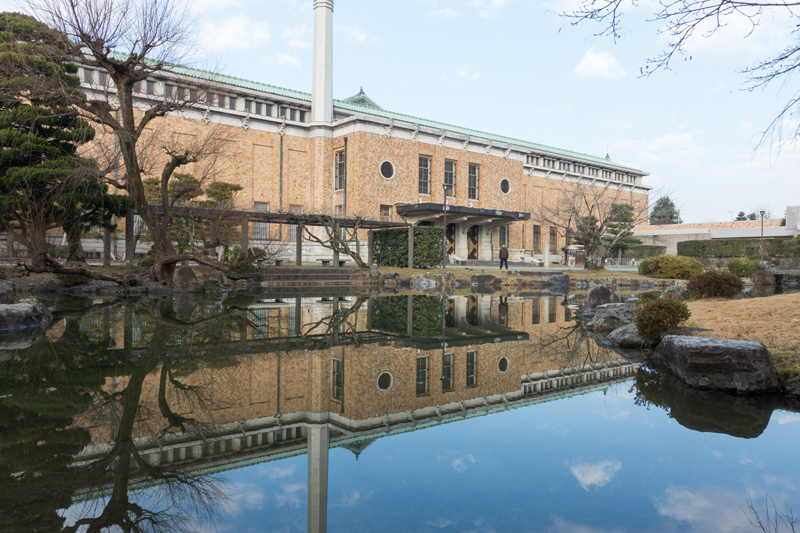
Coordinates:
(358, 413)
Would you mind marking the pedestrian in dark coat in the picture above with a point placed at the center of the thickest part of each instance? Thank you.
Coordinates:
(503, 257)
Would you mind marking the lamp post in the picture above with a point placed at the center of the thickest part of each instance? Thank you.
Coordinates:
(444, 233)
(762, 235)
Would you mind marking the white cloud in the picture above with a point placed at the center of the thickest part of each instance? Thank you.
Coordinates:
(356, 35)
(709, 509)
(279, 58)
(295, 37)
(599, 65)
(562, 526)
(785, 418)
(279, 472)
(237, 32)
(465, 72)
(595, 474)
(290, 495)
(441, 523)
(487, 8)
(446, 13)
(351, 498)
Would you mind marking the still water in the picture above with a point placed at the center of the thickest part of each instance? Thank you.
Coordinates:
(400, 413)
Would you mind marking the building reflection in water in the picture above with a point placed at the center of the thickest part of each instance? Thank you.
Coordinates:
(185, 388)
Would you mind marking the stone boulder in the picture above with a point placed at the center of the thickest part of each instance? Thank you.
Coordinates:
(186, 280)
(718, 364)
(460, 284)
(374, 273)
(423, 284)
(559, 284)
(625, 337)
(6, 287)
(28, 313)
(609, 317)
(792, 387)
(401, 281)
(597, 295)
(676, 292)
(390, 275)
(483, 280)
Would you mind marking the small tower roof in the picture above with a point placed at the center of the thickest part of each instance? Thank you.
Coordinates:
(361, 99)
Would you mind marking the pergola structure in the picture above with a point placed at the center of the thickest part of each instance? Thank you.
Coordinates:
(246, 217)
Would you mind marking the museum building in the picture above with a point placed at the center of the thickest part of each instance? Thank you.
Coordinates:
(308, 153)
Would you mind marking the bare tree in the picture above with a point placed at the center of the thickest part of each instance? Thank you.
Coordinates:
(337, 238)
(588, 211)
(131, 40)
(685, 20)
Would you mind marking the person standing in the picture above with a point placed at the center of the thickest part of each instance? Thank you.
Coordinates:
(503, 256)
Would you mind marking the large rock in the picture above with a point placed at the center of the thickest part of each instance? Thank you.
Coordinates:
(676, 292)
(597, 295)
(423, 284)
(625, 337)
(609, 317)
(559, 284)
(719, 364)
(792, 387)
(483, 280)
(28, 313)
(186, 280)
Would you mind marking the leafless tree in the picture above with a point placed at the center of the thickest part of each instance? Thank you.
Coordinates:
(771, 519)
(585, 209)
(131, 40)
(337, 237)
(684, 20)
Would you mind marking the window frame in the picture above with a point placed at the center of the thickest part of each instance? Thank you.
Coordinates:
(448, 365)
(472, 378)
(337, 379)
(260, 229)
(450, 180)
(339, 170)
(424, 182)
(474, 181)
(423, 375)
(553, 239)
(537, 239)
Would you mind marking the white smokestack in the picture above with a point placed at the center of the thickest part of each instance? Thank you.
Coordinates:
(322, 78)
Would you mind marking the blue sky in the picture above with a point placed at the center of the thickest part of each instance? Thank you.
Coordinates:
(514, 67)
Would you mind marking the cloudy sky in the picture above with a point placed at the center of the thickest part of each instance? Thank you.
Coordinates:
(514, 67)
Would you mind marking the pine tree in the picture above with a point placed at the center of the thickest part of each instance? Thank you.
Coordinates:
(44, 183)
(619, 231)
(664, 212)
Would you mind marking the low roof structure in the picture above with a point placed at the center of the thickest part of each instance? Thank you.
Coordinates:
(429, 212)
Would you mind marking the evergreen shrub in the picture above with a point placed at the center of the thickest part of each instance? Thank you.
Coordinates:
(661, 317)
(743, 268)
(390, 315)
(670, 267)
(773, 247)
(715, 284)
(391, 245)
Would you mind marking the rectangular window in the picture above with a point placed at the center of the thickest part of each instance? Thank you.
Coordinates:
(232, 103)
(88, 75)
(261, 229)
(193, 95)
(340, 170)
(422, 375)
(181, 93)
(168, 91)
(474, 181)
(568, 238)
(137, 87)
(302, 116)
(220, 100)
(551, 319)
(260, 323)
(536, 314)
(567, 314)
(292, 114)
(503, 235)
(537, 239)
(386, 213)
(247, 105)
(209, 99)
(281, 112)
(102, 78)
(472, 369)
(424, 175)
(268, 110)
(291, 314)
(258, 108)
(338, 379)
(447, 372)
(450, 178)
(294, 209)
(292, 232)
(553, 240)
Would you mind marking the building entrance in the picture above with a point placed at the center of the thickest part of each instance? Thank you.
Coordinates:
(450, 233)
(472, 242)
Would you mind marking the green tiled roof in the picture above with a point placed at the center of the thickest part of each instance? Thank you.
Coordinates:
(349, 104)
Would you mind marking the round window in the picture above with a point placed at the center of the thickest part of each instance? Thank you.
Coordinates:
(505, 186)
(502, 364)
(387, 170)
(385, 381)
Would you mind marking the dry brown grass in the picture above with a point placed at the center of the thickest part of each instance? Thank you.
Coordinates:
(773, 321)
(463, 273)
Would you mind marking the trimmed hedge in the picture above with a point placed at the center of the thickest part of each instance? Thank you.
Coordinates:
(390, 315)
(391, 245)
(715, 284)
(661, 317)
(643, 251)
(670, 267)
(773, 247)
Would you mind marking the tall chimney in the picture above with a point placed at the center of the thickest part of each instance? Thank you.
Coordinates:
(322, 78)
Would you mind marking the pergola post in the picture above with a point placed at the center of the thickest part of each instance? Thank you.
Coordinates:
(299, 246)
(106, 247)
(245, 235)
(411, 247)
(370, 247)
(130, 245)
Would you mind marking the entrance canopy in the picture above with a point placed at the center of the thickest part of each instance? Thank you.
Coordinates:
(456, 214)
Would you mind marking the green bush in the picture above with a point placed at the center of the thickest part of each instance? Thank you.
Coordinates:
(642, 251)
(390, 315)
(743, 268)
(773, 247)
(391, 245)
(661, 317)
(715, 284)
(670, 267)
